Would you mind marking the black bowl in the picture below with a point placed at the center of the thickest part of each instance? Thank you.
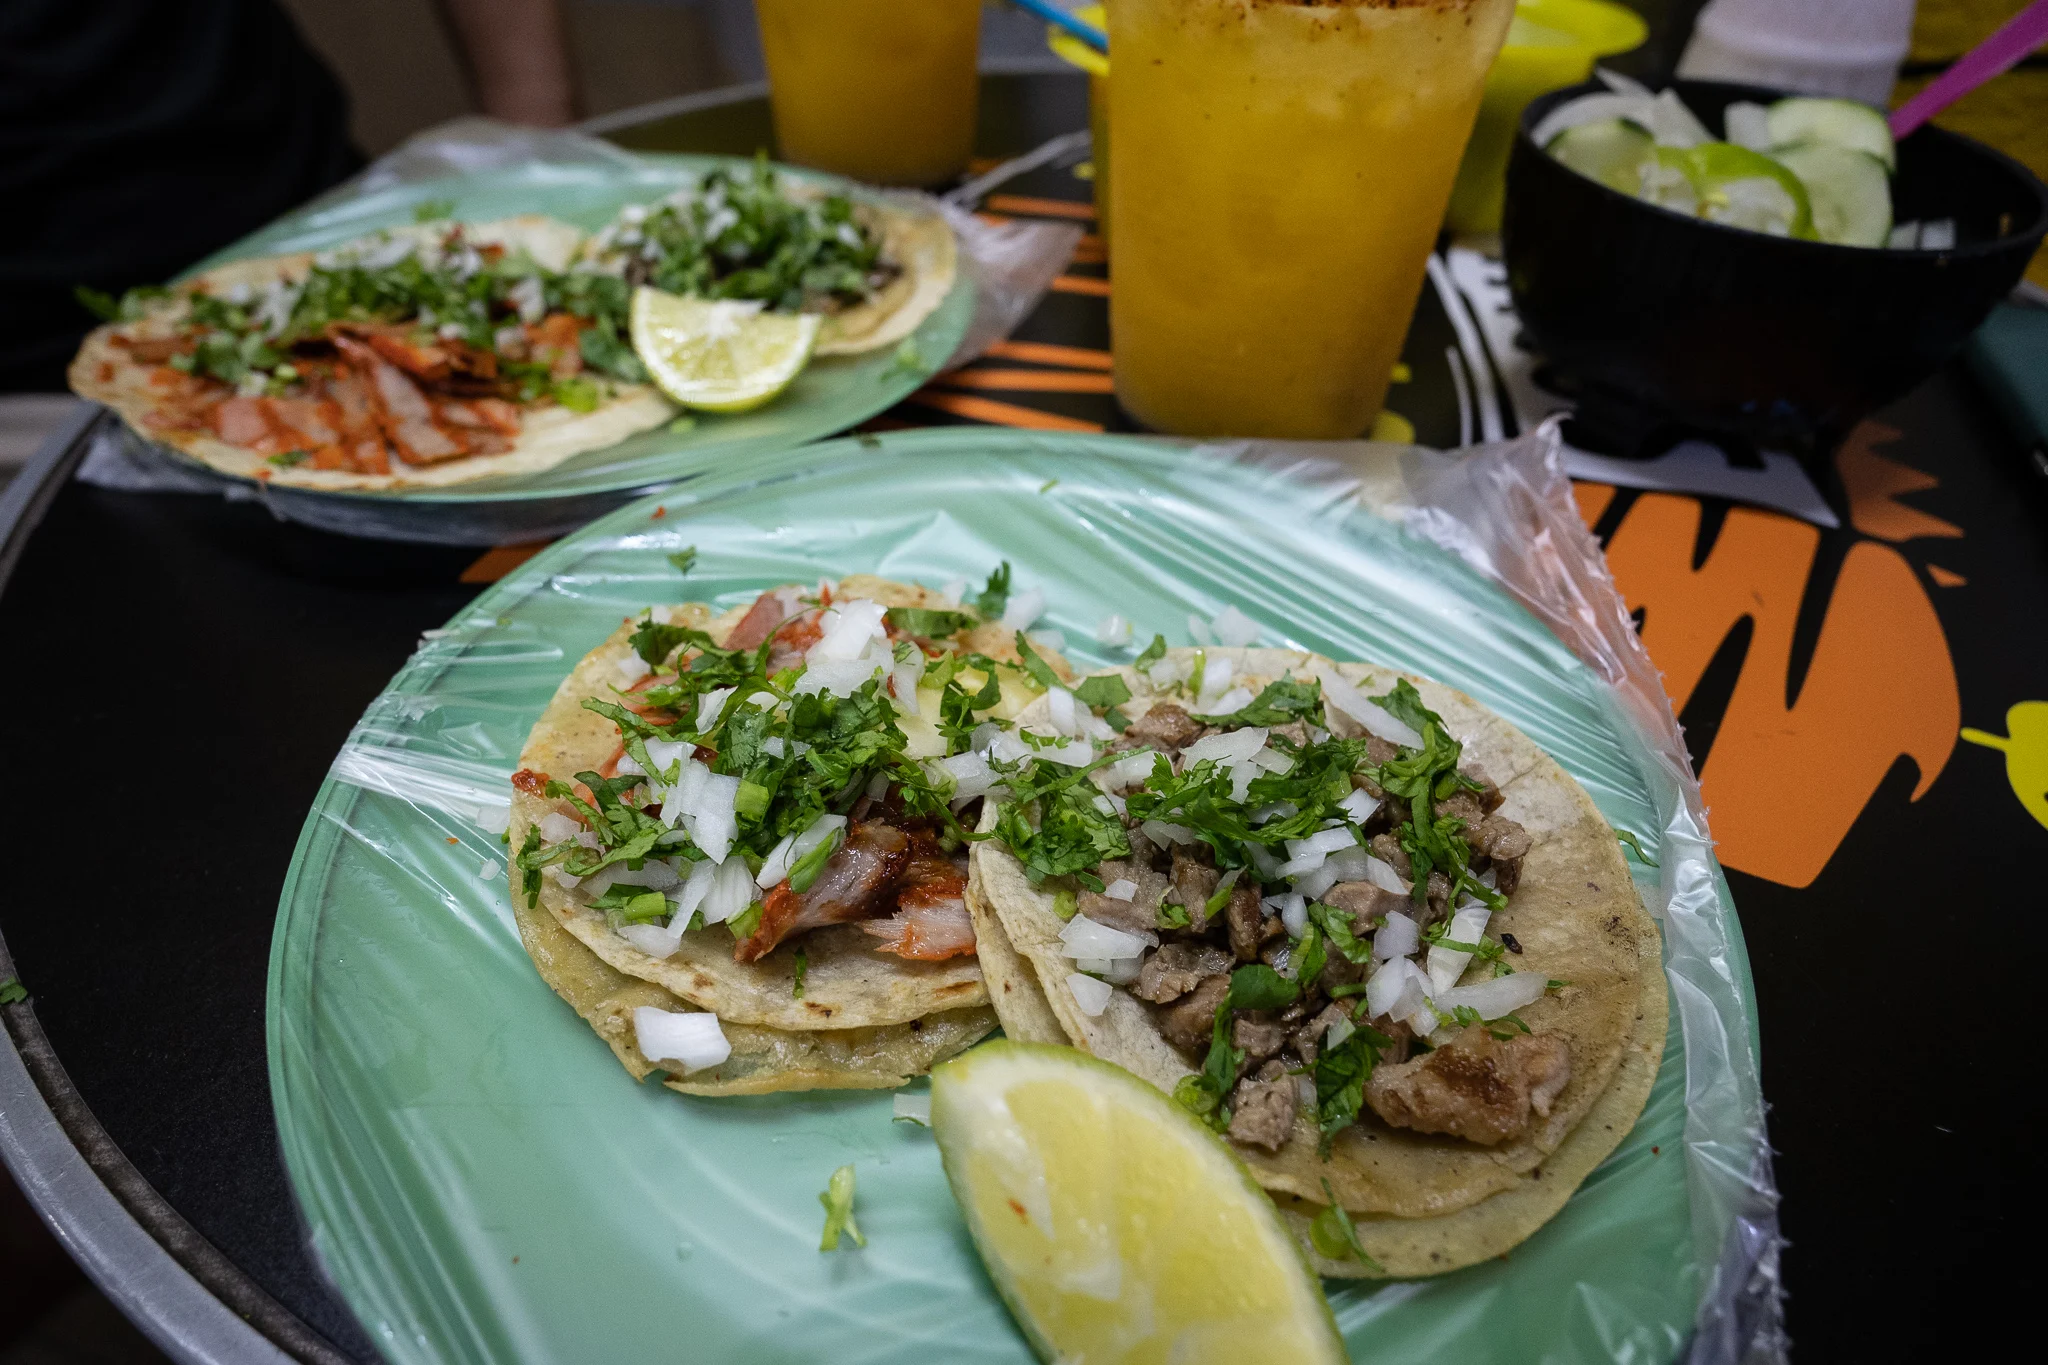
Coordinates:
(1782, 343)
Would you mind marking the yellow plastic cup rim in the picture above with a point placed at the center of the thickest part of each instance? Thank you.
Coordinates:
(1601, 27)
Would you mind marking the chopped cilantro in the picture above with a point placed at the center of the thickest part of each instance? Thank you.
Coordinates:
(1065, 903)
(838, 1202)
(1309, 956)
(745, 922)
(12, 992)
(285, 459)
(427, 210)
(1048, 485)
(1334, 1235)
(529, 869)
(930, 624)
(1104, 689)
(1337, 926)
(1201, 671)
(1259, 987)
(579, 394)
(1072, 835)
(684, 560)
(1154, 652)
(803, 966)
(1280, 703)
(1171, 915)
(995, 594)
(1040, 671)
(1635, 846)
(907, 359)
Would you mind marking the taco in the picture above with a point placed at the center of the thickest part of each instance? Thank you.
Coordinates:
(1356, 922)
(760, 817)
(873, 268)
(418, 356)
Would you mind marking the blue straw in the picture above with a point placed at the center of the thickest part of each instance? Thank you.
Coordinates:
(1053, 14)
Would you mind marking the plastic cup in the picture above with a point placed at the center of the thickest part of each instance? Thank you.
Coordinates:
(880, 90)
(1551, 44)
(1281, 173)
(1078, 54)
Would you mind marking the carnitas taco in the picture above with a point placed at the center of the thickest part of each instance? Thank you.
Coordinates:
(418, 356)
(872, 268)
(740, 837)
(1355, 921)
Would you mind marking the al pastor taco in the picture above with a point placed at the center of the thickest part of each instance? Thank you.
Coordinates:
(756, 821)
(419, 356)
(1355, 921)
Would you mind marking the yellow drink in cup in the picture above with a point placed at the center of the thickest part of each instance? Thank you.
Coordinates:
(881, 90)
(1281, 171)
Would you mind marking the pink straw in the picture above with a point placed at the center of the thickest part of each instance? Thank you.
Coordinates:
(1995, 56)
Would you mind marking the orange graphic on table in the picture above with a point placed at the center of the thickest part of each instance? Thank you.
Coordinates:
(2026, 754)
(1794, 763)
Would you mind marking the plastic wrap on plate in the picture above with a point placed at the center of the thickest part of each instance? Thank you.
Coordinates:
(482, 1181)
(489, 170)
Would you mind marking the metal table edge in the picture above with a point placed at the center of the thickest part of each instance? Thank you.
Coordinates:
(100, 1208)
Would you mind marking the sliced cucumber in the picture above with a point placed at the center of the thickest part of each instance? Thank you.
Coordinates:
(1611, 152)
(1667, 183)
(1849, 191)
(1747, 125)
(1746, 189)
(1835, 123)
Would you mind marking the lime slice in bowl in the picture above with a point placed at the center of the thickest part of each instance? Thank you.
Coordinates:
(1115, 1226)
(719, 355)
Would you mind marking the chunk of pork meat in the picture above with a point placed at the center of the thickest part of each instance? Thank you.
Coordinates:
(770, 610)
(1166, 727)
(1194, 881)
(404, 413)
(1260, 1037)
(1475, 1087)
(1506, 843)
(1366, 903)
(1245, 919)
(1189, 1023)
(852, 885)
(931, 922)
(1174, 969)
(1262, 1108)
(1140, 913)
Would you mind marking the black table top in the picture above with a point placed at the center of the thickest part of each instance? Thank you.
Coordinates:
(1826, 672)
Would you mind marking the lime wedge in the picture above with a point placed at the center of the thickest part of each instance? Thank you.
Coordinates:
(719, 355)
(1116, 1226)
(1747, 189)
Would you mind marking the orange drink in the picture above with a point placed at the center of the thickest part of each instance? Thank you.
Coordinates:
(881, 90)
(1281, 171)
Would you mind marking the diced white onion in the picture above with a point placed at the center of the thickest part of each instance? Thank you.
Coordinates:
(1113, 630)
(1384, 987)
(1382, 875)
(632, 669)
(1083, 938)
(489, 871)
(731, 891)
(1122, 889)
(1293, 908)
(950, 594)
(840, 677)
(917, 1108)
(1167, 672)
(1398, 937)
(708, 707)
(652, 940)
(1415, 1006)
(695, 886)
(969, 773)
(693, 1041)
(1497, 996)
(1023, 608)
(1060, 706)
(494, 819)
(1163, 834)
(630, 766)
(1306, 855)
(654, 874)
(1359, 806)
(1131, 771)
(563, 879)
(795, 848)
(1047, 639)
(1072, 753)
(1198, 630)
(1234, 628)
(556, 827)
(1091, 997)
(1446, 965)
(1368, 713)
(845, 630)
(1236, 699)
(1215, 682)
(1229, 746)
(1276, 810)
(1121, 971)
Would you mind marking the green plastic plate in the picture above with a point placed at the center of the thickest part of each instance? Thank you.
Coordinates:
(831, 395)
(485, 1183)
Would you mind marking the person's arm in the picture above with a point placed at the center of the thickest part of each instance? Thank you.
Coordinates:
(518, 58)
